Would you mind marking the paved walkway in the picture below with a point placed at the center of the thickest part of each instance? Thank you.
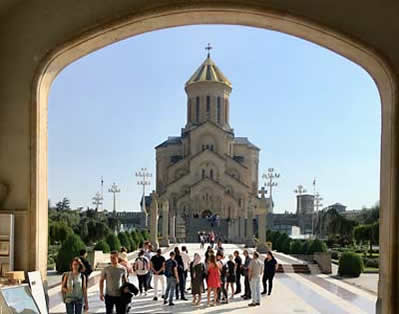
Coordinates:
(292, 293)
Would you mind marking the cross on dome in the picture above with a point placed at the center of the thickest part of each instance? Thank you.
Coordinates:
(209, 48)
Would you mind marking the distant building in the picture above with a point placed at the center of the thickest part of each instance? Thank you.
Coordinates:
(337, 206)
(304, 204)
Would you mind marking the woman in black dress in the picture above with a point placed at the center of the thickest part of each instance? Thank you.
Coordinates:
(197, 270)
(180, 271)
(270, 268)
(231, 269)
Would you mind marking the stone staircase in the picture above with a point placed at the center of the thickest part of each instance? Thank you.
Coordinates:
(297, 268)
(195, 225)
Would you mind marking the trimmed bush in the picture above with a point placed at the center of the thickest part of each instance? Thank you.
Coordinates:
(133, 246)
(69, 249)
(296, 247)
(280, 242)
(145, 234)
(317, 246)
(123, 239)
(102, 246)
(286, 246)
(113, 242)
(350, 264)
(334, 255)
(305, 247)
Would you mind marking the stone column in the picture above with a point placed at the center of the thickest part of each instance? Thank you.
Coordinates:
(249, 242)
(242, 230)
(154, 220)
(165, 224)
(230, 231)
(263, 204)
(172, 230)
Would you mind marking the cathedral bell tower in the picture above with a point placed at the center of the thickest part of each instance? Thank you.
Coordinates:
(208, 92)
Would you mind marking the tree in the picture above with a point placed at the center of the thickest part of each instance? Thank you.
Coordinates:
(113, 242)
(296, 247)
(63, 205)
(123, 239)
(369, 232)
(286, 246)
(102, 246)
(317, 246)
(280, 242)
(69, 249)
(133, 246)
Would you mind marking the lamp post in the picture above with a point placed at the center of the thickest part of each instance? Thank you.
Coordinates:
(114, 189)
(144, 179)
(97, 200)
(318, 204)
(270, 176)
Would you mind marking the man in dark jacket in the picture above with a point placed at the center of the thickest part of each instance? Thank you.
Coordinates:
(247, 293)
(238, 261)
(88, 268)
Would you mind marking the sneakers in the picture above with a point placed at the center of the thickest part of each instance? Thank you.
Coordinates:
(171, 304)
(155, 299)
(184, 299)
(263, 293)
(257, 303)
(252, 304)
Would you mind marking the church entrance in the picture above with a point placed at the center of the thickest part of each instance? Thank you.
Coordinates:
(206, 213)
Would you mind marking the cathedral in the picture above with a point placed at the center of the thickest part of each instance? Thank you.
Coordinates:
(207, 171)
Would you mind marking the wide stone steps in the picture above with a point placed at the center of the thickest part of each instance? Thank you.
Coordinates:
(294, 268)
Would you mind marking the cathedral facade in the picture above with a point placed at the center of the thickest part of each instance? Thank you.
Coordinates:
(207, 170)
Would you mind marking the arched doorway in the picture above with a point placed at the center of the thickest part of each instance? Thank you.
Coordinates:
(206, 213)
(70, 44)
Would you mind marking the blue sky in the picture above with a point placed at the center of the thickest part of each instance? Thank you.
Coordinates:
(312, 112)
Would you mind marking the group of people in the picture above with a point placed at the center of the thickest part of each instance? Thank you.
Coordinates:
(206, 237)
(216, 275)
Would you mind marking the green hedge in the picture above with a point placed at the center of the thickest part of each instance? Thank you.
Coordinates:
(69, 249)
(102, 246)
(350, 264)
(124, 240)
(296, 247)
(317, 246)
(113, 242)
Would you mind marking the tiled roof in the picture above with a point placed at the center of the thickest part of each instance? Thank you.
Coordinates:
(172, 140)
(208, 72)
(244, 141)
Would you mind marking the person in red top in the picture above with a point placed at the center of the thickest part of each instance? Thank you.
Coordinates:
(213, 280)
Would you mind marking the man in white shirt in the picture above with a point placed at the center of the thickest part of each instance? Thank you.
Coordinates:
(186, 262)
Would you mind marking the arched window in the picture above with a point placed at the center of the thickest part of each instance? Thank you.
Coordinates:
(197, 108)
(203, 173)
(218, 109)
(208, 104)
(211, 173)
(211, 147)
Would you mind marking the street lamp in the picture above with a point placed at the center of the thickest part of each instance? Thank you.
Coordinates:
(317, 205)
(114, 189)
(270, 176)
(145, 180)
(97, 200)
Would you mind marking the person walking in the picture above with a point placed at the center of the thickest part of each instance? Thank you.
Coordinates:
(222, 293)
(231, 270)
(87, 270)
(172, 278)
(115, 275)
(197, 271)
(180, 270)
(269, 270)
(158, 269)
(186, 263)
(74, 288)
(213, 280)
(255, 270)
(238, 262)
(142, 268)
(247, 261)
(148, 253)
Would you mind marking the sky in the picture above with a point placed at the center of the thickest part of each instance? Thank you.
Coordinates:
(313, 113)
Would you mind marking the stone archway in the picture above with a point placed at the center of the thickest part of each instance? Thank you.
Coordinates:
(25, 95)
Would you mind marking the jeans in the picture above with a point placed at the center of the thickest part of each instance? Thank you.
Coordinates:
(74, 307)
(264, 281)
(180, 285)
(149, 278)
(159, 278)
(110, 301)
(255, 289)
(247, 287)
(171, 283)
(238, 282)
(143, 282)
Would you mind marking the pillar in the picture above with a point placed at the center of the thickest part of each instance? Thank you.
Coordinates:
(249, 242)
(236, 230)
(242, 230)
(154, 220)
(165, 224)
(230, 231)
(263, 205)
(172, 230)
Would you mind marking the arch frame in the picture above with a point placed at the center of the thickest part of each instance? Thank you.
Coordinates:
(232, 13)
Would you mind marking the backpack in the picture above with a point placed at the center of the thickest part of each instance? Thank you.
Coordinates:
(82, 276)
(169, 265)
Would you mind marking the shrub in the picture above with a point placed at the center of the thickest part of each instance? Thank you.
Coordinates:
(280, 242)
(296, 247)
(69, 249)
(317, 246)
(371, 262)
(113, 242)
(334, 255)
(286, 246)
(145, 234)
(350, 264)
(123, 239)
(102, 246)
(305, 247)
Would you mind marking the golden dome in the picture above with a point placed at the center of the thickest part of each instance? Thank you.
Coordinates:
(208, 72)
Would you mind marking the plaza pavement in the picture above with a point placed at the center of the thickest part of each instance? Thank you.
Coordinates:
(292, 293)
